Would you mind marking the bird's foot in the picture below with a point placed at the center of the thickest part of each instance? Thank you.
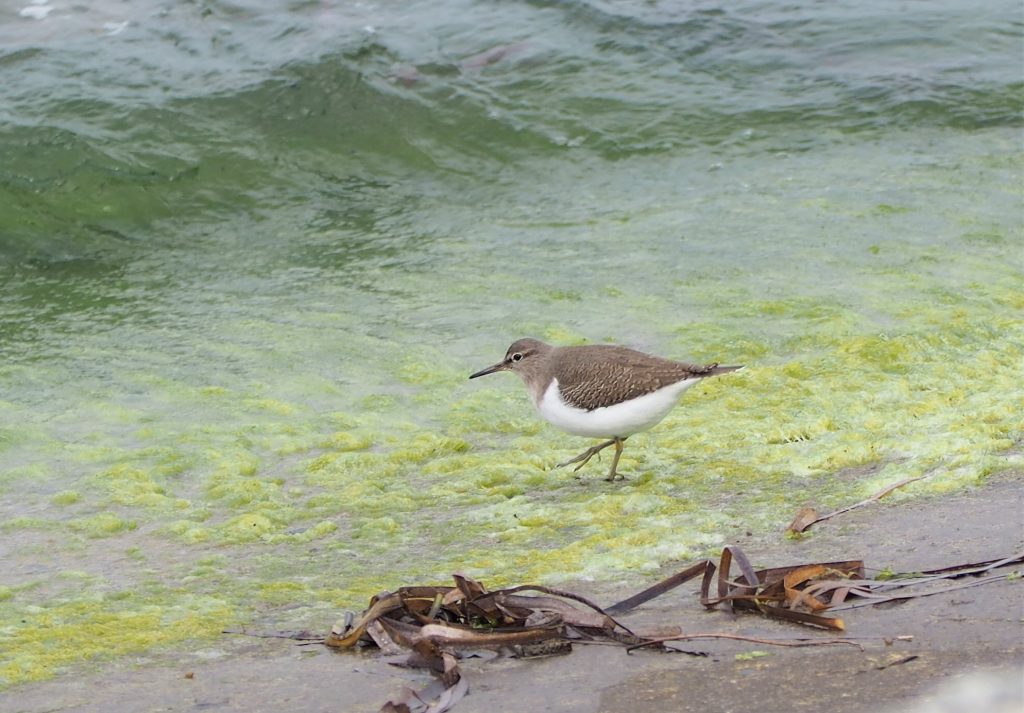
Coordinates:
(584, 457)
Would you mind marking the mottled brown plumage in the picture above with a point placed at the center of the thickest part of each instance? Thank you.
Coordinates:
(622, 374)
(600, 379)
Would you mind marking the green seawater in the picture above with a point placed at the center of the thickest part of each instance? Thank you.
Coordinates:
(250, 254)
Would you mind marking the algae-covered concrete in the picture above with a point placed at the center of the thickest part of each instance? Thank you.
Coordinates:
(953, 635)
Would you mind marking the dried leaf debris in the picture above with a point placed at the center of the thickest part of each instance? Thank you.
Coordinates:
(808, 516)
(434, 627)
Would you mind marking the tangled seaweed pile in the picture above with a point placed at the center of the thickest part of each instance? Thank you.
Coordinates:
(434, 626)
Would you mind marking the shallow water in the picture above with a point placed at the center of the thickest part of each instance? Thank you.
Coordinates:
(250, 254)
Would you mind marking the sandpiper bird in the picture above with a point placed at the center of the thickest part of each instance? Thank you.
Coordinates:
(600, 391)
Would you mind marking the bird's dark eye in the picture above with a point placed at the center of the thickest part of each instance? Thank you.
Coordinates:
(517, 357)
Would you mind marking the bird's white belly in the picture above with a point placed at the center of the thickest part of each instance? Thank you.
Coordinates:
(621, 420)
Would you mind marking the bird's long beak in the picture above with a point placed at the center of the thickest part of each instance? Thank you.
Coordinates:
(500, 366)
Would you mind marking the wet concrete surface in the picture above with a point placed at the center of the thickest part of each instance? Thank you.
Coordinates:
(954, 634)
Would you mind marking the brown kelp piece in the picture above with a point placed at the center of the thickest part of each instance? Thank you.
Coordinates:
(804, 518)
(468, 616)
(406, 600)
(780, 592)
(440, 695)
(665, 585)
(437, 625)
(898, 587)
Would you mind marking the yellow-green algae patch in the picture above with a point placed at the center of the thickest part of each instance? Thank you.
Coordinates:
(66, 497)
(47, 638)
(104, 524)
(133, 486)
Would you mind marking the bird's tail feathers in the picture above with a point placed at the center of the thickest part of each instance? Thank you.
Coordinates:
(715, 370)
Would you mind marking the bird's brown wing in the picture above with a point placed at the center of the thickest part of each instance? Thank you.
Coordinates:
(625, 374)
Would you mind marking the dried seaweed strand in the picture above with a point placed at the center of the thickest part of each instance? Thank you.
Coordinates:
(877, 496)
(751, 639)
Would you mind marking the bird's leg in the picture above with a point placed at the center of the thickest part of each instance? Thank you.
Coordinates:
(586, 455)
(612, 475)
